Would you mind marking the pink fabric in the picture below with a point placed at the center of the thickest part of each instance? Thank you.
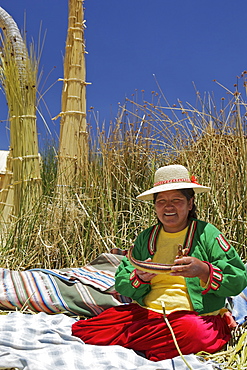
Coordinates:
(135, 327)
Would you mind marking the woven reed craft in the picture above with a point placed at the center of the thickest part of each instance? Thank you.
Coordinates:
(154, 267)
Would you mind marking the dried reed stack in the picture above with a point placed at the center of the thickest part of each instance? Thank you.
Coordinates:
(18, 77)
(73, 146)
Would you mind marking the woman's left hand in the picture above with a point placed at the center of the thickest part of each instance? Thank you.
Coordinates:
(190, 267)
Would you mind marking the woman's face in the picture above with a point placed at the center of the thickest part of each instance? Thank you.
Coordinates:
(172, 209)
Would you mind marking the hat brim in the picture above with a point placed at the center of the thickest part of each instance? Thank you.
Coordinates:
(148, 195)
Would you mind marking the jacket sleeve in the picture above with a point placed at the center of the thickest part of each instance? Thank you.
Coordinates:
(127, 282)
(228, 275)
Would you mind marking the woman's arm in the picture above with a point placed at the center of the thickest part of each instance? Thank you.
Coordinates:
(128, 283)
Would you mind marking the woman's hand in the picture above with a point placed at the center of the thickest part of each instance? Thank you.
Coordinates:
(143, 275)
(191, 267)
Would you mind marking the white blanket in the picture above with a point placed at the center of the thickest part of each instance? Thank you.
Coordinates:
(44, 342)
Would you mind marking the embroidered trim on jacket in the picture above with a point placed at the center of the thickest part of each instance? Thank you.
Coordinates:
(223, 243)
(215, 278)
(190, 235)
(135, 280)
(153, 238)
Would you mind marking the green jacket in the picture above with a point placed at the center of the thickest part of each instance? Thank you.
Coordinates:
(228, 275)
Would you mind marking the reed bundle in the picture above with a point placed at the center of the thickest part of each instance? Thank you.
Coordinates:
(73, 143)
(18, 77)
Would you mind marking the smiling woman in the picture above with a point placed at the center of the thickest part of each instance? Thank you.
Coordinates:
(193, 290)
(172, 209)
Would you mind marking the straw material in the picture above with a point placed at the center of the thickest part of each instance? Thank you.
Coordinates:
(18, 77)
(73, 150)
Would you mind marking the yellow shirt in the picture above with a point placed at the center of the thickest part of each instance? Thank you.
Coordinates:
(164, 287)
(171, 290)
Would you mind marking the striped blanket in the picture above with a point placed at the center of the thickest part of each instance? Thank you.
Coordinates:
(85, 291)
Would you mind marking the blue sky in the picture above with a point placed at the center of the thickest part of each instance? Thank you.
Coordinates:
(181, 42)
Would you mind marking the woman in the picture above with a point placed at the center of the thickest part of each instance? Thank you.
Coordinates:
(192, 287)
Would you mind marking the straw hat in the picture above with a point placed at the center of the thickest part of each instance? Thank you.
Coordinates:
(173, 177)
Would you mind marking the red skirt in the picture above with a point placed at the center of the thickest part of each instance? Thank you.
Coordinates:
(143, 330)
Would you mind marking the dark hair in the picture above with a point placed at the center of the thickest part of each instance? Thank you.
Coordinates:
(188, 193)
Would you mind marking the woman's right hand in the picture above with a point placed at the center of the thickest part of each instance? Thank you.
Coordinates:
(143, 275)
